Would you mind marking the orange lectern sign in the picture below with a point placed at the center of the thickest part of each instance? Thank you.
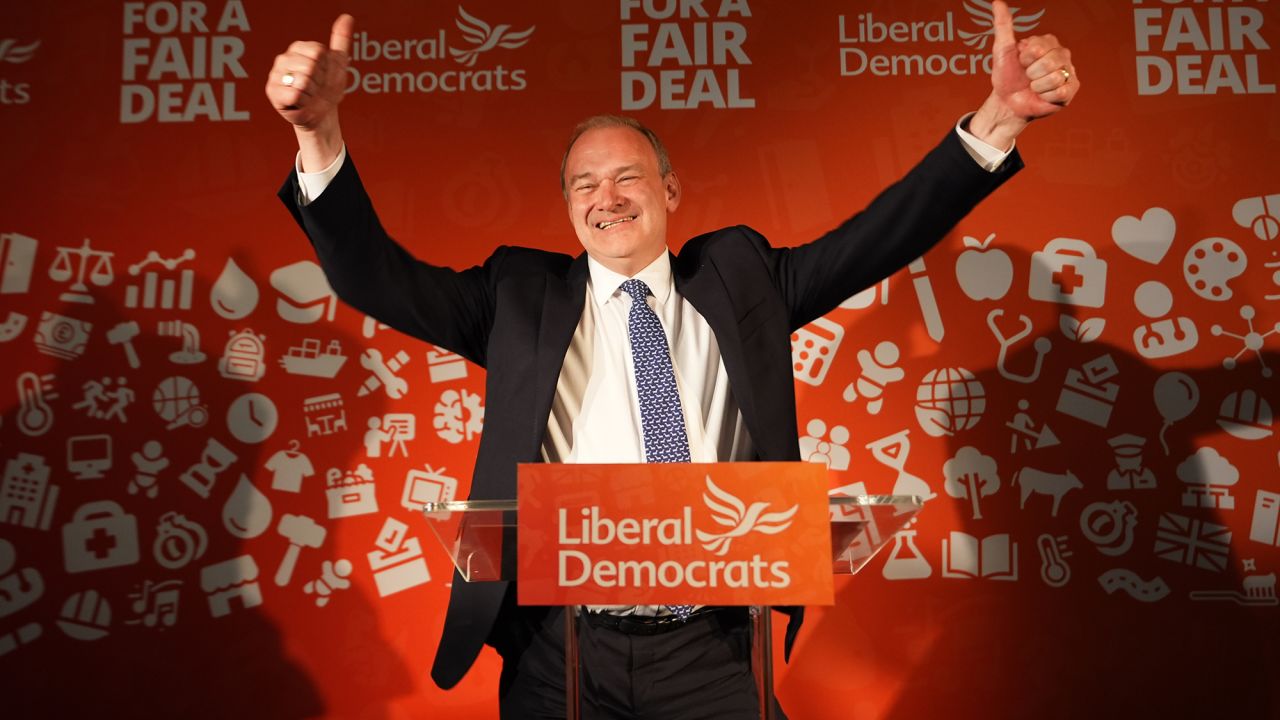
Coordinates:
(668, 533)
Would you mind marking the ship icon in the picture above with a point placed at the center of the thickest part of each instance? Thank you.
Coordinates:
(308, 359)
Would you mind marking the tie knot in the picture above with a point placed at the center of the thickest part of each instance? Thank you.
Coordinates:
(636, 289)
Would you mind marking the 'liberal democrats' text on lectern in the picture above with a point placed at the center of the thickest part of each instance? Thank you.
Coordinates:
(714, 534)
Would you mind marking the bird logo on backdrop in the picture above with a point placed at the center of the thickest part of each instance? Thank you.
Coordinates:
(982, 15)
(15, 54)
(484, 38)
(731, 512)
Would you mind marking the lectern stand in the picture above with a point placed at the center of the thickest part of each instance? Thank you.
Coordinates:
(476, 533)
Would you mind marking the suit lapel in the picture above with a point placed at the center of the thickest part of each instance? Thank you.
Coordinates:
(561, 311)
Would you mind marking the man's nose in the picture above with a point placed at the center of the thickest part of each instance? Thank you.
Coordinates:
(609, 195)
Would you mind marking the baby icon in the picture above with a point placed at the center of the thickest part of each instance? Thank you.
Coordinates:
(149, 463)
(878, 370)
(1166, 336)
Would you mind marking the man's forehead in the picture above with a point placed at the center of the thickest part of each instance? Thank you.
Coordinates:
(611, 146)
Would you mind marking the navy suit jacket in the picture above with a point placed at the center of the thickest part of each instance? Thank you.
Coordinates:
(516, 313)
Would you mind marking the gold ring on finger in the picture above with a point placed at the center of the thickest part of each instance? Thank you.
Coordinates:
(288, 79)
(1066, 75)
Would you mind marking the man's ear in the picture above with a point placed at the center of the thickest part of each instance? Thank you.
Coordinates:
(671, 184)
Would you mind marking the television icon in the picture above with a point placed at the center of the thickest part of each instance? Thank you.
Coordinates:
(88, 456)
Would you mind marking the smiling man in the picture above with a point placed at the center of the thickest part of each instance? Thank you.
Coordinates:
(629, 353)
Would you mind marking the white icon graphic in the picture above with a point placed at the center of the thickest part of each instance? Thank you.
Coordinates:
(155, 604)
(26, 497)
(427, 485)
(370, 327)
(397, 563)
(1251, 340)
(179, 541)
(483, 38)
(1054, 570)
(17, 258)
(96, 262)
(1131, 584)
(383, 374)
(18, 588)
(177, 401)
(85, 616)
(1265, 527)
(1081, 331)
(833, 453)
(1147, 239)
(1129, 472)
(148, 463)
(1209, 477)
(1087, 395)
(459, 416)
(1055, 485)
(324, 414)
(1193, 542)
(1212, 263)
(1166, 336)
(984, 273)
(906, 562)
(741, 519)
(443, 366)
(1041, 347)
(122, 334)
(333, 577)
(1109, 526)
(161, 293)
(301, 531)
(1245, 415)
(813, 348)
(288, 468)
(892, 451)
(393, 428)
(247, 512)
(15, 322)
(100, 535)
(202, 475)
(1068, 272)
(1176, 396)
(1027, 432)
(88, 456)
(1273, 266)
(227, 581)
(244, 357)
(24, 635)
(234, 294)
(35, 415)
(190, 354)
(309, 359)
(981, 14)
(1259, 214)
(62, 337)
(994, 558)
(350, 493)
(252, 418)
(866, 297)
(924, 297)
(102, 400)
(972, 475)
(879, 369)
(1256, 590)
(305, 295)
(949, 400)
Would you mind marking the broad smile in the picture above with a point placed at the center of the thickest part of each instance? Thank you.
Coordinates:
(606, 224)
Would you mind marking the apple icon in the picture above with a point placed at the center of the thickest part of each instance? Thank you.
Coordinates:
(984, 274)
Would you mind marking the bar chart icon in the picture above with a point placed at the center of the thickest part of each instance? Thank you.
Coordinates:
(163, 291)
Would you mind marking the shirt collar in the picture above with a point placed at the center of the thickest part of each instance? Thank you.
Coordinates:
(657, 275)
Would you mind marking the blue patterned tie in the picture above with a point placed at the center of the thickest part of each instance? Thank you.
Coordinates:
(662, 419)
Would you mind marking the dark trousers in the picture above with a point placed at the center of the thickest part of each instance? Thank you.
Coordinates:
(699, 671)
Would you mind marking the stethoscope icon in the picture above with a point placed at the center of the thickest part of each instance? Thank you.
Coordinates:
(1041, 345)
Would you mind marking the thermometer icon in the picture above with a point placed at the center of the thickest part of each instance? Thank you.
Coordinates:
(1053, 568)
(35, 417)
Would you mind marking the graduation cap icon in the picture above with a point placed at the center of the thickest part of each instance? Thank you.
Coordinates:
(305, 295)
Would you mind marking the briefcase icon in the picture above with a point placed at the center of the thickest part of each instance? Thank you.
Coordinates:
(1068, 272)
(100, 535)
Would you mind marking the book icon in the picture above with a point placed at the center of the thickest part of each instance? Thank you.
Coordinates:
(994, 557)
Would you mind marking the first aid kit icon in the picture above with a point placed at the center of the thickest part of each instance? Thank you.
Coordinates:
(100, 535)
(1068, 272)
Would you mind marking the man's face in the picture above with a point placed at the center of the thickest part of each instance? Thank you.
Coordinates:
(618, 202)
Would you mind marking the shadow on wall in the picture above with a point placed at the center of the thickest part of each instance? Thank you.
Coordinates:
(167, 549)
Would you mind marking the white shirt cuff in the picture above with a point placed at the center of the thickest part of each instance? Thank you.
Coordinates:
(310, 185)
(988, 156)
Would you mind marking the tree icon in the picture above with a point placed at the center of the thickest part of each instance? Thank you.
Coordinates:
(970, 474)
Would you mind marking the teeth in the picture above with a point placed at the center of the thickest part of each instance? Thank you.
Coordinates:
(611, 223)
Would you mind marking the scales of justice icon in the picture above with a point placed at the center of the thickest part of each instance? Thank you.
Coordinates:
(97, 263)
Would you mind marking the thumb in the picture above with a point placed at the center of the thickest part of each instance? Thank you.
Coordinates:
(1002, 22)
(340, 37)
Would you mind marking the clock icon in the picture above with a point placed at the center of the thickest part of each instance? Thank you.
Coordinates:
(252, 418)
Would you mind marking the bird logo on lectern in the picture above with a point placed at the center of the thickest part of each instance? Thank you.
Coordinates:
(740, 519)
(484, 38)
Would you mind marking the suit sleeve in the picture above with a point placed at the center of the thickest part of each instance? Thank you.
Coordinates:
(900, 225)
(377, 276)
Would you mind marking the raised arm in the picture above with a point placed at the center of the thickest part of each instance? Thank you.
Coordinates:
(305, 85)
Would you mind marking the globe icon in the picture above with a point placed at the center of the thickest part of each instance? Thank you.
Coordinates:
(949, 400)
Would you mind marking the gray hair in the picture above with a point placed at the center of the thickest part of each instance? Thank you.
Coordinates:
(596, 122)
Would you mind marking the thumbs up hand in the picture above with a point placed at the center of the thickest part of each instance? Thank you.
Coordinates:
(305, 85)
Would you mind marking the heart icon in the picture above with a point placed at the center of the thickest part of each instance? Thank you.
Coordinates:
(1147, 239)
